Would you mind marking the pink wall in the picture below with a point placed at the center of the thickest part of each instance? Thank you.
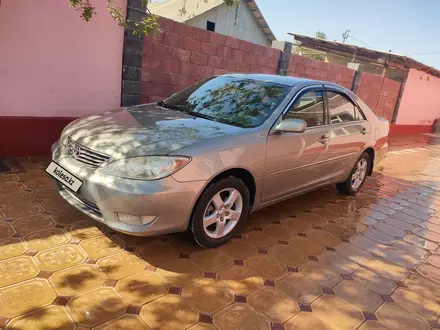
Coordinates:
(420, 103)
(53, 64)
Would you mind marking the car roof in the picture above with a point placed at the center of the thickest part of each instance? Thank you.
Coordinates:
(282, 80)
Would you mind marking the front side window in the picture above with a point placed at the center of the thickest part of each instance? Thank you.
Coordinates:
(310, 108)
(341, 109)
(236, 101)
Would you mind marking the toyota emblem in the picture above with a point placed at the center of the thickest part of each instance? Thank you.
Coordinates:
(76, 151)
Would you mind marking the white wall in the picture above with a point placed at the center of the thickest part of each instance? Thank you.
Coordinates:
(53, 64)
(420, 104)
(240, 24)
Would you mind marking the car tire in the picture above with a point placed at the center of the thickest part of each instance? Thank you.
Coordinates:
(227, 219)
(357, 176)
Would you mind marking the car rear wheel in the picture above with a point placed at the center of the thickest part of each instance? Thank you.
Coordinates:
(357, 177)
(219, 211)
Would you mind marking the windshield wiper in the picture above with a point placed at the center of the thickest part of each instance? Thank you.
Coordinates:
(180, 108)
(201, 115)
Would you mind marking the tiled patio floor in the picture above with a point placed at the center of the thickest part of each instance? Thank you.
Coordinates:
(320, 261)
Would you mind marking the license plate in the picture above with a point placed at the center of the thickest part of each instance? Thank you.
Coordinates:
(64, 176)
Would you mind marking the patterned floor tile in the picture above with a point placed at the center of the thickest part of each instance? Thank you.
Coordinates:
(354, 253)
(374, 282)
(51, 317)
(45, 239)
(298, 287)
(96, 307)
(265, 267)
(260, 239)
(358, 295)
(240, 280)
(417, 304)
(142, 288)
(6, 230)
(287, 255)
(238, 249)
(125, 321)
(76, 280)
(211, 260)
(307, 246)
(120, 265)
(59, 258)
(240, 316)
(17, 269)
(272, 304)
(320, 274)
(25, 297)
(297, 225)
(324, 238)
(171, 312)
(395, 317)
(11, 247)
(208, 295)
(304, 321)
(337, 312)
(335, 261)
(82, 230)
(180, 272)
(157, 252)
(32, 223)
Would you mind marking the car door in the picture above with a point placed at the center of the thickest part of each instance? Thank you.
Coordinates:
(349, 131)
(297, 161)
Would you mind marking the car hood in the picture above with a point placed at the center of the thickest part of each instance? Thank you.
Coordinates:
(143, 130)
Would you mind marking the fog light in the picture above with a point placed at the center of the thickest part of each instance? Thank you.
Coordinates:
(132, 219)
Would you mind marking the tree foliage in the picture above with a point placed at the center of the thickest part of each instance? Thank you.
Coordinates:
(321, 35)
(148, 25)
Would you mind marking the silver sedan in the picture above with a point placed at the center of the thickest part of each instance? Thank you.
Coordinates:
(209, 155)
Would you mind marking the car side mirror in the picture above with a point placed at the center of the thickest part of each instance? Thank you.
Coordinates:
(291, 125)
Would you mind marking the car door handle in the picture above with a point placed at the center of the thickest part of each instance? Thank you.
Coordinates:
(364, 130)
(324, 139)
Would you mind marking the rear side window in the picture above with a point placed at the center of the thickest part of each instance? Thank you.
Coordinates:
(341, 109)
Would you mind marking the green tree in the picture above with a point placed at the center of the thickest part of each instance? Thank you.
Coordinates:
(321, 35)
(149, 24)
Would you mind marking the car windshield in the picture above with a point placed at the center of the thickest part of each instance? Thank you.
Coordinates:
(236, 101)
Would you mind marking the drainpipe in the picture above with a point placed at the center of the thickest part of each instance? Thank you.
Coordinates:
(236, 18)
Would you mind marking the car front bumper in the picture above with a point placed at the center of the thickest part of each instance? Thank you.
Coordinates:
(104, 198)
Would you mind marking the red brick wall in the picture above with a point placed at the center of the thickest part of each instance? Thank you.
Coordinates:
(301, 66)
(379, 93)
(181, 55)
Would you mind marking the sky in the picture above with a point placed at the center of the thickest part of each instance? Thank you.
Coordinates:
(407, 27)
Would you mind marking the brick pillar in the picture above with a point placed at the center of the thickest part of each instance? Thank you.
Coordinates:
(356, 81)
(399, 98)
(286, 52)
(132, 58)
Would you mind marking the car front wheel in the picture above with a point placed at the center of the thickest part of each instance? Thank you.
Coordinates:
(219, 211)
(357, 177)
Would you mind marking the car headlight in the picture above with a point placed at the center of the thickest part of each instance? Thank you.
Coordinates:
(146, 168)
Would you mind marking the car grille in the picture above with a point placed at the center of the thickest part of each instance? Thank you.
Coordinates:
(81, 200)
(84, 154)
(86, 203)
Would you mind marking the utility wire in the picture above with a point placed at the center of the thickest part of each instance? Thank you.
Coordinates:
(435, 53)
(363, 43)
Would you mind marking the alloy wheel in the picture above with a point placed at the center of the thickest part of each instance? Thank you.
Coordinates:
(222, 213)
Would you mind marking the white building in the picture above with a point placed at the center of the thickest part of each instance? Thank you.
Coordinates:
(242, 20)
